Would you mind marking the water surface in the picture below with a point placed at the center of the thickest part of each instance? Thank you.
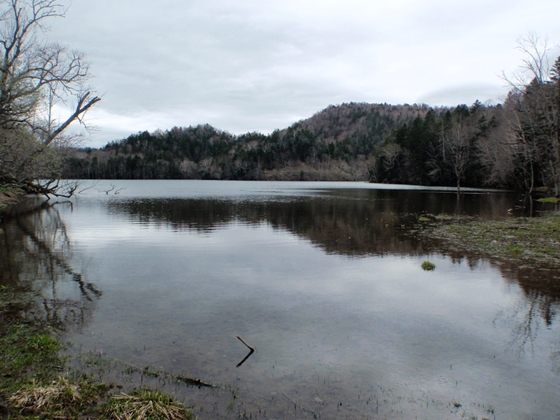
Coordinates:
(324, 280)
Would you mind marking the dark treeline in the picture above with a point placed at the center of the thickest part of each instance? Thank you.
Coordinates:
(339, 143)
(515, 145)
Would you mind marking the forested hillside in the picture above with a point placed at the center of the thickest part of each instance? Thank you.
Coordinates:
(515, 144)
(338, 143)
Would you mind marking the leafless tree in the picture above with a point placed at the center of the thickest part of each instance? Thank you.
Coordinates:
(390, 153)
(494, 155)
(534, 104)
(35, 76)
(458, 143)
(534, 64)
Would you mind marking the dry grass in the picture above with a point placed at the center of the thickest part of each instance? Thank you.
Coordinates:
(41, 399)
(146, 404)
(62, 399)
(31, 386)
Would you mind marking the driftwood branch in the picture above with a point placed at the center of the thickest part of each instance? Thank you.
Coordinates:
(252, 350)
(94, 184)
(244, 342)
(46, 188)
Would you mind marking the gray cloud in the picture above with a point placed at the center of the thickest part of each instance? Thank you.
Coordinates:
(465, 94)
(259, 65)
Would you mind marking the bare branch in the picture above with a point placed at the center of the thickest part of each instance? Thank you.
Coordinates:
(535, 63)
(83, 105)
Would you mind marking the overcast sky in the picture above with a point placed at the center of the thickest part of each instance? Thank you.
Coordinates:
(258, 65)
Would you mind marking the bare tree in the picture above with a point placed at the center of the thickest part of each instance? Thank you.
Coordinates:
(36, 75)
(390, 152)
(534, 104)
(458, 143)
(495, 154)
(535, 64)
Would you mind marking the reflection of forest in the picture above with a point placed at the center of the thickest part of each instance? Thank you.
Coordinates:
(360, 225)
(36, 258)
(347, 222)
(349, 227)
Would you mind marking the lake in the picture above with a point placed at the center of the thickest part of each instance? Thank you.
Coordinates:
(324, 280)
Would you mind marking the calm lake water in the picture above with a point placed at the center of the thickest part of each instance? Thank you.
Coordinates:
(323, 279)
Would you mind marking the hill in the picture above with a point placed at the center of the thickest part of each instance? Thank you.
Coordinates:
(337, 143)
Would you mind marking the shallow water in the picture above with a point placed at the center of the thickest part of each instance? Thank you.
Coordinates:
(324, 280)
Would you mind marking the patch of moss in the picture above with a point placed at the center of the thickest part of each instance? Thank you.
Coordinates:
(428, 266)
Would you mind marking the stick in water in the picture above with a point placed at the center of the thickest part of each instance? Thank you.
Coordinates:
(244, 342)
(252, 350)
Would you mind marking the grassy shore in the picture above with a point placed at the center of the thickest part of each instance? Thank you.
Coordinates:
(37, 383)
(528, 241)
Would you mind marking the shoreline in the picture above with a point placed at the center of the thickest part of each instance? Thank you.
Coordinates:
(9, 196)
(38, 380)
(533, 242)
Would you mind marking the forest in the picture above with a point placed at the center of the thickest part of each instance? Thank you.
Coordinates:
(515, 145)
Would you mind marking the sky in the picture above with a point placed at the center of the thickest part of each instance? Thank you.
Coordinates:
(259, 65)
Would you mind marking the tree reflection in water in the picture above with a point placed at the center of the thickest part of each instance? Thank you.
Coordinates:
(36, 257)
(361, 228)
(539, 307)
(535, 311)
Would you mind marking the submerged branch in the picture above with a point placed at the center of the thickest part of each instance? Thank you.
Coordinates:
(178, 378)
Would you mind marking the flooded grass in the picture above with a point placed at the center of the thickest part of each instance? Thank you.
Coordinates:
(26, 350)
(533, 242)
(37, 382)
(145, 404)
